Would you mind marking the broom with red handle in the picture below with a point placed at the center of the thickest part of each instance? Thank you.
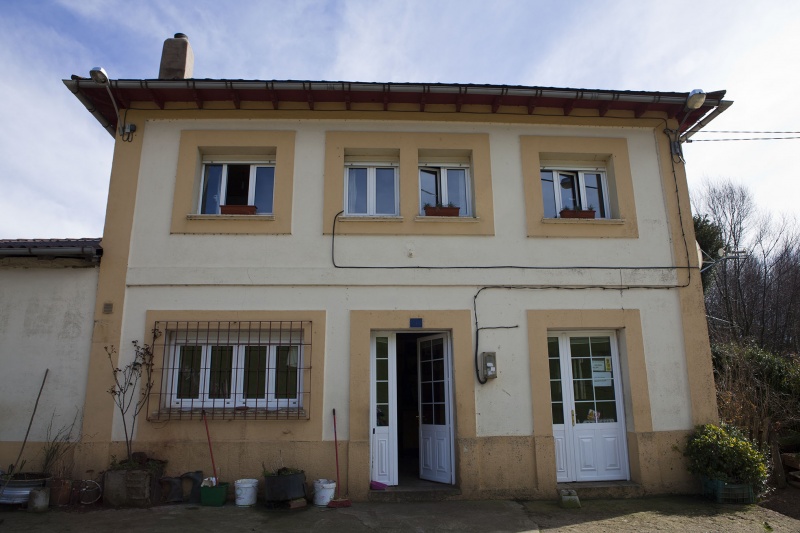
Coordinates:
(338, 501)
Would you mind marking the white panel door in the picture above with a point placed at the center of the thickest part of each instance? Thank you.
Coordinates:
(435, 408)
(383, 408)
(588, 415)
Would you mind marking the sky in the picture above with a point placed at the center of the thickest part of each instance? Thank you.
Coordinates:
(55, 158)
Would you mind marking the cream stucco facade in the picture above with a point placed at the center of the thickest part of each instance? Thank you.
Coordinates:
(519, 277)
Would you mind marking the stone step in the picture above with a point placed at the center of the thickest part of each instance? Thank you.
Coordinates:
(394, 494)
(599, 490)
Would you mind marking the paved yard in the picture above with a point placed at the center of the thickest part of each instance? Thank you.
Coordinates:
(677, 514)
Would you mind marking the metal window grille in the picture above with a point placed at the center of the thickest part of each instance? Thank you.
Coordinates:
(232, 370)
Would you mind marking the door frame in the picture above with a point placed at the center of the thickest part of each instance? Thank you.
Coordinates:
(450, 394)
(567, 447)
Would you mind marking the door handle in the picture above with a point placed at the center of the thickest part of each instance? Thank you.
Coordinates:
(573, 417)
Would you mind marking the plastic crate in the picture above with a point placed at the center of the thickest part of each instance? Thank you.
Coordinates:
(722, 492)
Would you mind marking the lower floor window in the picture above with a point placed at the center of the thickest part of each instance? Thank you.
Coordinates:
(236, 375)
(238, 367)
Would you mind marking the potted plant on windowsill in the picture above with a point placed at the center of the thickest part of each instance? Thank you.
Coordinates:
(589, 212)
(237, 209)
(439, 210)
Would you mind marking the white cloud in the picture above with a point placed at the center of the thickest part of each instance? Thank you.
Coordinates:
(53, 186)
(55, 158)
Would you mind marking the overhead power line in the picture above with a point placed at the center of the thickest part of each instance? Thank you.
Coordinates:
(743, 139)
(784, 135)
(750, 132)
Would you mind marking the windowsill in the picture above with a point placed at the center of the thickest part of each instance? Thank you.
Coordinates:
(371, 218)
(467, 220)
(252, 413)
(593, 221)
(264, 218)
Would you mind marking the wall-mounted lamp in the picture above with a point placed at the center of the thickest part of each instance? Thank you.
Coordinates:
(100, 77)
(694, 101)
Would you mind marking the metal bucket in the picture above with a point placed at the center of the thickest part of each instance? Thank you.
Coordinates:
(19, 490)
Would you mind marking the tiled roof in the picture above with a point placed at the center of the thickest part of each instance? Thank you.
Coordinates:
(85, 249)
(49, 243)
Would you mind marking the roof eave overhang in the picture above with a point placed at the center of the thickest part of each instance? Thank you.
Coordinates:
(493, 98)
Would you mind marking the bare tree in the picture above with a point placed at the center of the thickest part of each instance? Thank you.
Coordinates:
(753, 296)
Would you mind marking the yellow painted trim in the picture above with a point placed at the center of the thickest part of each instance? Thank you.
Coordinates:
(632, 360)
(111, 284)
(613, 151)
(633, 366)
(196, 143)
(693, 315)
(305, 429)
(362, 323)
(409, 146)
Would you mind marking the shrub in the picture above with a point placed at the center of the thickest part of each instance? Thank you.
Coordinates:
(724, 453)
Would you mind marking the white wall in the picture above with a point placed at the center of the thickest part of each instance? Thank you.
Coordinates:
(46, 320)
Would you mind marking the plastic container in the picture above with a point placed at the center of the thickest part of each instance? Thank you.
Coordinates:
(246, 492)
(722, 492)
(214, 496)
(39, 500)
(323, 491)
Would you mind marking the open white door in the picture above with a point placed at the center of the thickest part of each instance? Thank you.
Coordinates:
(383, 406)
(435, 409)
(588, 413)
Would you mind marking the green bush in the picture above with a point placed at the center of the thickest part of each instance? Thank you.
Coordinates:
(724, 453)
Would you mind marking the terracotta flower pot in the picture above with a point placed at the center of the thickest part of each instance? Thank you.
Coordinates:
(60, 492)
(237, 209)
(441, 211)
(576, 213)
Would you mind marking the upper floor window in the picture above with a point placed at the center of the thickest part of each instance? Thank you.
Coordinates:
(574, 193)
(371, 189)
(445, 186)
(237, 188)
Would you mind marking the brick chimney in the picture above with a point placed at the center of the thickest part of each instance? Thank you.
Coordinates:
(177, 59)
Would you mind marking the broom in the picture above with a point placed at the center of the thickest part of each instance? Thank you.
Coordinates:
(338, 501)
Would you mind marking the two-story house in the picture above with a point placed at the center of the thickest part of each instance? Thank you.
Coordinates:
(286, 242)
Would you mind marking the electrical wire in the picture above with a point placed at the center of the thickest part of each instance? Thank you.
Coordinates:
(485, 267)
(742, 139)
(619, 287)
(751, 132)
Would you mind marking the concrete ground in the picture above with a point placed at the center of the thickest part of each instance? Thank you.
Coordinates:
(679, 514)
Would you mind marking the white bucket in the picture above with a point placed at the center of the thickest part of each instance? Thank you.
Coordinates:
(246, 492)
(39, 500)
(323, 491)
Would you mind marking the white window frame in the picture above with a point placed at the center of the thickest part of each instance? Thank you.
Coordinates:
(251, 191)
(207, 341)
(579, 173)
(371, 188)
(441, 179)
